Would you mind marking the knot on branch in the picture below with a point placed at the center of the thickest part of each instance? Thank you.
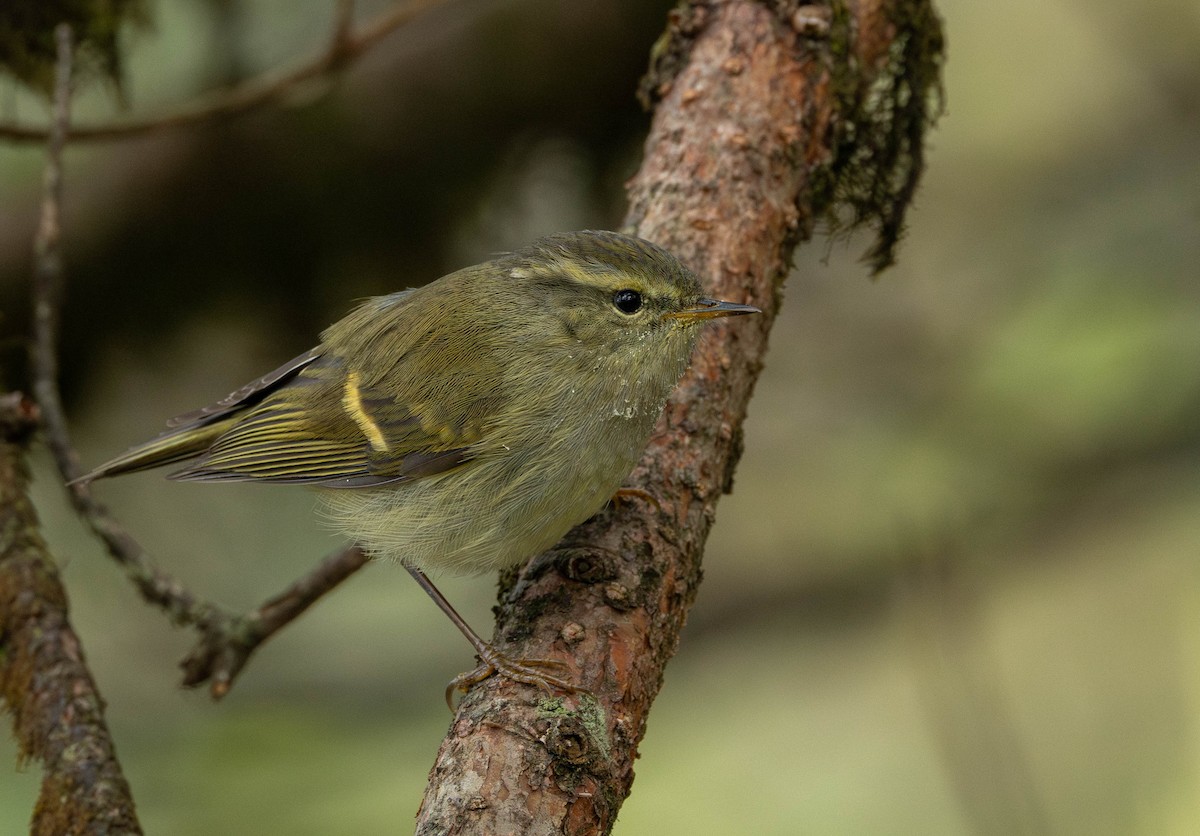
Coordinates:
(587, 564)
(576, 738)
(569, 743)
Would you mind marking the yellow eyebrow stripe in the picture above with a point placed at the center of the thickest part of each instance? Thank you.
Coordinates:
(352, 402)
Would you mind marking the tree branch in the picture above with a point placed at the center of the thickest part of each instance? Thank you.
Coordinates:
(58, 714)
(747, 150)
(345, 46)
(227, 639)
(226, 644)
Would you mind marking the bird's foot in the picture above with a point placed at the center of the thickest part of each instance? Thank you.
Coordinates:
(527, 671)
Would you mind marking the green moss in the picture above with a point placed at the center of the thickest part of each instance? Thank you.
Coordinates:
(878, 152)
(878, 144)
(589, 716)
(670, 53)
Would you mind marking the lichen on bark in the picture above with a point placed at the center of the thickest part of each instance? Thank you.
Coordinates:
(57, 712)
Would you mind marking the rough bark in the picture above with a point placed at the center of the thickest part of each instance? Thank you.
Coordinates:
(764, 109)
(58, 715)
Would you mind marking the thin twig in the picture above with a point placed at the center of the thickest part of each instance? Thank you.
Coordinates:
(343, 25)
(58, 714)
(226, 647)
(156, 586)
(345, 46)
(227, 639)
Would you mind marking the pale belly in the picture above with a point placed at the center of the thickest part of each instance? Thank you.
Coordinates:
(496, 511)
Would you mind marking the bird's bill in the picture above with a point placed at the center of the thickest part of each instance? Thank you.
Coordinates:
(711, 309)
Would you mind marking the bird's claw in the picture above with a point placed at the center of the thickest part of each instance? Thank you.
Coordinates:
(627, 494)
(525, 671)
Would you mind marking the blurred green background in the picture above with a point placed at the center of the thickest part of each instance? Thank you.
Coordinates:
(955, 590)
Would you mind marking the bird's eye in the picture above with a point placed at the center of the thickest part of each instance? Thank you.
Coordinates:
(627, 301)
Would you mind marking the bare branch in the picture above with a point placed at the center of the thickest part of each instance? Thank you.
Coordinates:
(345, 46)
(758, 105)
(227, 644)
(227, 639)
(58, 714)
(156, 586)
(343, 25)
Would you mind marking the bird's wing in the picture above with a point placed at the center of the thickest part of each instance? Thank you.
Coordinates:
(246, 396)
(325, 427)
(192, 433)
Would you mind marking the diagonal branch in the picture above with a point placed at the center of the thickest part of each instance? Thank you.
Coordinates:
(57, 711)
(760, 107)
(345, 45)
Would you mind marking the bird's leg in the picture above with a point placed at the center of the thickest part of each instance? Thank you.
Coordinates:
(491, 660)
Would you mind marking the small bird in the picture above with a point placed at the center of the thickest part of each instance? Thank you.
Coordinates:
(466, 425)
